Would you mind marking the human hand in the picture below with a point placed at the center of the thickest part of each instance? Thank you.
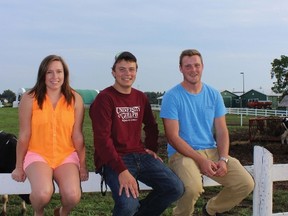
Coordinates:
(18, 174)
(221, 168)
(84, 174)
(128, 183)
(153, 154)
(208, 167)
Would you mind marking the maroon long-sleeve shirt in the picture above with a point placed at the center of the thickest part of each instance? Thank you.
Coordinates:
(117, 121)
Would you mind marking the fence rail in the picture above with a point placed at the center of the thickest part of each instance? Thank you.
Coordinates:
(244, 111)
(263, 171)
(257, 112)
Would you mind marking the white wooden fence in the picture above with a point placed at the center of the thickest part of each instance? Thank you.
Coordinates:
(244, 111)
(263, 170)
(257, 112)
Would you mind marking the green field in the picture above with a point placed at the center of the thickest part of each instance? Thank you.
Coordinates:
(95, 203)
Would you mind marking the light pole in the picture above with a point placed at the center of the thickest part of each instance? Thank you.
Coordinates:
(243, 82)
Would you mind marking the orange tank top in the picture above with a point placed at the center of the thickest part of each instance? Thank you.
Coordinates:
(51, 131)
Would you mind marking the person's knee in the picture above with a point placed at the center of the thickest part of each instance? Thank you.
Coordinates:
(179, 189)
(244, 186)
(42, 197)
(249, 185)
(71, 197)
(126, 206)
(176, 190)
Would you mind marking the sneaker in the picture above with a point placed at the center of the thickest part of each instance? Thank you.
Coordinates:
(205, 213)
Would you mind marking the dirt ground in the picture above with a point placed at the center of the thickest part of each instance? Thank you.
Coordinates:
(242, 149)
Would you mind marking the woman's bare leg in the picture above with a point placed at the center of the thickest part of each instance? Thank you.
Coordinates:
(42, 188)
(68, 180)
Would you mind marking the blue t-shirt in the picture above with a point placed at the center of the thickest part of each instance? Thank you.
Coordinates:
(195, 114)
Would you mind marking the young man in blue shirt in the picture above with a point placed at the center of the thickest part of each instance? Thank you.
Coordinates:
(193, 114)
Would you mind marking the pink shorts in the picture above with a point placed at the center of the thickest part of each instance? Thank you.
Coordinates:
(34, 157)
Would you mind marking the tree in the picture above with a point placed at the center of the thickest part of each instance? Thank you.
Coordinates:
(9, 95)
(280, 72)
(152, 96)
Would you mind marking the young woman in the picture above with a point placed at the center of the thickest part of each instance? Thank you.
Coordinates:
(50, 143)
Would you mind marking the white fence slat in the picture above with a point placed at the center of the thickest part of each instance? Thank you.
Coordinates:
(207, 182)
(280, 214)
(9, 186)
(263, 171)
(262, 194)
(280, 172)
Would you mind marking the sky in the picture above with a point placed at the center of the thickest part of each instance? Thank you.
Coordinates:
(234, 37)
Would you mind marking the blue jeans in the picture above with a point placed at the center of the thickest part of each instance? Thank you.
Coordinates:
(167, 187)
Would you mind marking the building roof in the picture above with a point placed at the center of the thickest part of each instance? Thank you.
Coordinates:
(88, 95)
(284, 102)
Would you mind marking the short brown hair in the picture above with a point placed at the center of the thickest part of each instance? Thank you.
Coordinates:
(189, 52)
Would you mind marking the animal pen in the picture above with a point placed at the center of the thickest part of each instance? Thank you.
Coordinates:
(265, 129)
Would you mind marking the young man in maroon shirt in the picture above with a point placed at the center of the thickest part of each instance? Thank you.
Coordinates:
(118, 115)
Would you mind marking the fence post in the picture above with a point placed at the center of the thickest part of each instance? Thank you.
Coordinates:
(262, 195)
